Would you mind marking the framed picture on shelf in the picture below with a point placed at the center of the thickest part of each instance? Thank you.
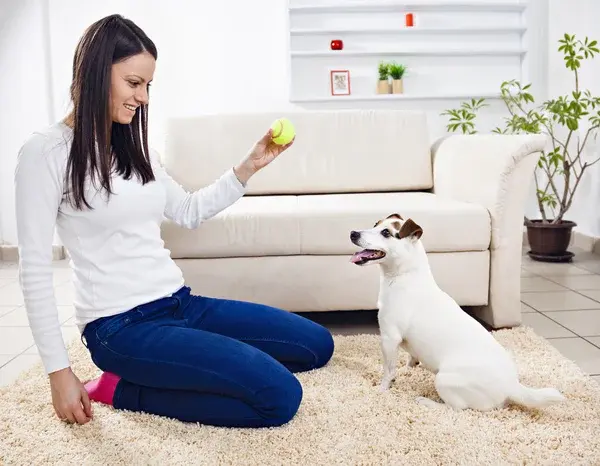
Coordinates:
(340, 82)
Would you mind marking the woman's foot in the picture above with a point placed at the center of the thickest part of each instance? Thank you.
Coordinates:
(103, 388)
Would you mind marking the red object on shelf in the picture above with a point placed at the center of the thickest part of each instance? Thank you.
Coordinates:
(337, 44)
(409, 20)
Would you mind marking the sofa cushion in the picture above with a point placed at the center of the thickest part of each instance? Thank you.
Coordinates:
(448, 225)
(289, 225)
(330, 154)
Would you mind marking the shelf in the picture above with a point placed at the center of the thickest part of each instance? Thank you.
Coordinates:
(409, 30)
(363, 7)
(489, 47)
(384, 97)
(428, 53)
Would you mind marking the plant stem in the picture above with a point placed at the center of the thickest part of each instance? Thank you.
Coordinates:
(540, 205)
(553, 137)
(567, 176)
(593, 163)
(567, 205)
(580, 148)
(550, 182)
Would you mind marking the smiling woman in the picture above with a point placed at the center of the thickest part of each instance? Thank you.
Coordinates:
(161, 349)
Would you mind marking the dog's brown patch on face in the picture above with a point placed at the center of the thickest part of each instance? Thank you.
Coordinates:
(398, 216)
(397, 226)
(410, 228)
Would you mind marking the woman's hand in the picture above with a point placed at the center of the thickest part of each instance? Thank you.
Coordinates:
(261, 155)
(69, 397)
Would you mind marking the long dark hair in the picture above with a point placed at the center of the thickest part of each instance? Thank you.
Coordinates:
(98, 143)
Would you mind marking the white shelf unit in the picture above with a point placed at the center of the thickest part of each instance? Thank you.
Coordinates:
(398, 97)
(455, 50)
(424, 5)
(416, 31)
(418, 53)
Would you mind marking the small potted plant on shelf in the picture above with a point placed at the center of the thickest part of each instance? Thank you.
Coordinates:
(570, 121)
(383, 85)
(396, 73)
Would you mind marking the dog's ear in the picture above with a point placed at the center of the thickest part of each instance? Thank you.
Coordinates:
(398, 216)
(410, 230)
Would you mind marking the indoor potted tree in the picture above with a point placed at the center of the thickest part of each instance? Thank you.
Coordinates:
(396, 73)
(570, 121)
(383, 85)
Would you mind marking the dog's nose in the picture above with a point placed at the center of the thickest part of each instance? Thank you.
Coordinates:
(354, 235)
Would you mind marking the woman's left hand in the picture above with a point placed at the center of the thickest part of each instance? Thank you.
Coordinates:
(261, 155)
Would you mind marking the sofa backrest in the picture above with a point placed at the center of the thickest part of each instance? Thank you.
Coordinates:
(335, 151)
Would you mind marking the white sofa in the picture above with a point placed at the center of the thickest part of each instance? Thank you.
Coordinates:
(287, 242)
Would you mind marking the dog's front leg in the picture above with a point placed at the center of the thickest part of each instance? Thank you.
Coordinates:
(411, 361)
(389, 348)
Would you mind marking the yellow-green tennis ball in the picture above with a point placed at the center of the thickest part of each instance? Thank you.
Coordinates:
(283, 131)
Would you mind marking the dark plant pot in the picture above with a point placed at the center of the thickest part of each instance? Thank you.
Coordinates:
(549, 242)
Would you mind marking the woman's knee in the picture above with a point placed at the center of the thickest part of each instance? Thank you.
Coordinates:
(280, 401)
(322, 346)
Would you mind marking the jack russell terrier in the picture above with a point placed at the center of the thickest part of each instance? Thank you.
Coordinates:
(472, 370)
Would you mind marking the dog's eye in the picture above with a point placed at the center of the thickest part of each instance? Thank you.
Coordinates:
(386, 233)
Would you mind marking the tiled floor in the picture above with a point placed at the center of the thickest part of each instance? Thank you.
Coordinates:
(560, 301)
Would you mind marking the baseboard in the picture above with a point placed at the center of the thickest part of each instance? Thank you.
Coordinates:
(10, 253)
(579, 240)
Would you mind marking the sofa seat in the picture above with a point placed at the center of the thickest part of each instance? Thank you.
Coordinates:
(321, 225)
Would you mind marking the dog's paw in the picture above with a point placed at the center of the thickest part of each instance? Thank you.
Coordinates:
(426, 402)
(412, 362)
(384, 386)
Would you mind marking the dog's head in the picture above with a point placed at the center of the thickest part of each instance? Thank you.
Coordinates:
(391, 239)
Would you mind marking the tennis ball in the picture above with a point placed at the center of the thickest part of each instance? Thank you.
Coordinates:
(283, 131)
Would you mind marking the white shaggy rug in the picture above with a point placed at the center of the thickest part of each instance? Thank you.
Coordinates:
(343, 419)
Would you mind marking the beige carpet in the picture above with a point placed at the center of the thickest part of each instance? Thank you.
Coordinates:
(343, 419)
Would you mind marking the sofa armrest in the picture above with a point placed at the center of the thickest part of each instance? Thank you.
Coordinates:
(496, 172)
(491, 170)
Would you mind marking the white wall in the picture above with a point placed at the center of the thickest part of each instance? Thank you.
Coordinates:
(23, 93)
(209, 62)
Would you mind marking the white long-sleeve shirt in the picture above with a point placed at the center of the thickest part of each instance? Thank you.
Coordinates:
(117, 253)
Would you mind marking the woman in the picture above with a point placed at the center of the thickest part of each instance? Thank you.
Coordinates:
(162, 350)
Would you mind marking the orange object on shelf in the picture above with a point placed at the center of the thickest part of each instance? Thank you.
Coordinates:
(409, 20)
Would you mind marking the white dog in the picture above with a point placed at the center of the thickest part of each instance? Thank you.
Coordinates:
(472, 369)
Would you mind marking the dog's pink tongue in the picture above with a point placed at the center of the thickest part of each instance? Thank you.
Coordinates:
(358, 256)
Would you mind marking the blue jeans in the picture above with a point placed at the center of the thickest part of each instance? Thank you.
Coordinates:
(213, 361)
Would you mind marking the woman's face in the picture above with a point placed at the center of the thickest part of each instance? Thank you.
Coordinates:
(130, 80)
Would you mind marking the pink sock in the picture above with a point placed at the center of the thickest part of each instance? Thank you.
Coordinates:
(103, 388)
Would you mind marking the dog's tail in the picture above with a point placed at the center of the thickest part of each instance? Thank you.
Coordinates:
(535, 397)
